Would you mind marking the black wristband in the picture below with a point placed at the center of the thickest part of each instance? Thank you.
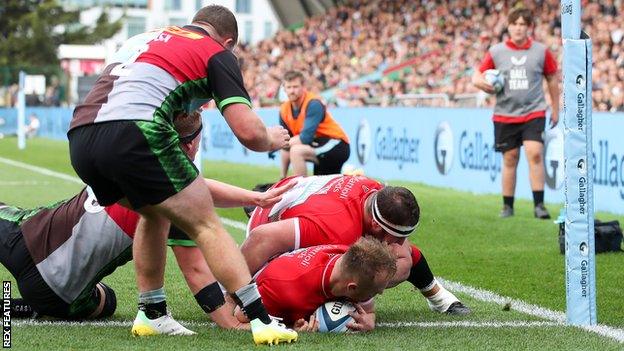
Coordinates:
(420, 274)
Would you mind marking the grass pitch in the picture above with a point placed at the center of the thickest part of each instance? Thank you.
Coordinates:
(460, 234)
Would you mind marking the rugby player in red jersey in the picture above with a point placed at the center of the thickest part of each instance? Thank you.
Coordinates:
(339, 209)
(296, 283)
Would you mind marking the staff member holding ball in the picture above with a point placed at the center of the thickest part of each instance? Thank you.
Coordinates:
(520, 111)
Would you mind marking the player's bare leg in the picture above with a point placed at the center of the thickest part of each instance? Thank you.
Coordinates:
(150, 254)
(192, 211)
(535, 158)
(299, 155)
(508, 177)
(285, 162)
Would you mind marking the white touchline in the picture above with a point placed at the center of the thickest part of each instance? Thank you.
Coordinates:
(234, 224)
(453, 324)
(533, 310)
(23, 182)
(557, 317)
(41, 170)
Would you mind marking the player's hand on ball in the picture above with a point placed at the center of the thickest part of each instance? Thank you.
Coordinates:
(362, 320)
(279, 137)
(487, 87)
(302, 325)
(273, 196)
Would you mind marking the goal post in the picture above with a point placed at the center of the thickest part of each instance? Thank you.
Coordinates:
(579, 201)
(21, 112)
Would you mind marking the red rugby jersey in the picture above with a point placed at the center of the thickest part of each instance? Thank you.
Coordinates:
(328, 209)
(295, 284)
(162, 73)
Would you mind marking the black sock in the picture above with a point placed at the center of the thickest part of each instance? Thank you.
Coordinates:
(253, 310)
(248, 299)
(509, 200)
(538, 197)
(21, 309)
(154, 310)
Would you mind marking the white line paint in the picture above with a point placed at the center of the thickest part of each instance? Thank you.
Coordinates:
(45, 171)
(234, 224)
(471, 324)
(23, 182)
(449, 324)
(41, 170)
(99, 324)
(479, 294)
(526, 308)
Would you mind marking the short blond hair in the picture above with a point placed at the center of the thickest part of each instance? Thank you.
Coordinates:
(367, 258)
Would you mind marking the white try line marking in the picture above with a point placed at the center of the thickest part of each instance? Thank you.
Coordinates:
(453, 324)
(23, 182)
(234, 224)
(557, 317)
(41, 170)
(526, 308)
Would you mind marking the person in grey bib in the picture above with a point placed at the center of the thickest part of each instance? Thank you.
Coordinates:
(520, 111)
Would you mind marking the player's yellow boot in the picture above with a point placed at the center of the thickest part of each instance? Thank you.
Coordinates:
(271, 334)
(164, 325)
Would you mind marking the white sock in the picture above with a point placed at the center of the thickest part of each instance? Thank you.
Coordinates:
(442, 300)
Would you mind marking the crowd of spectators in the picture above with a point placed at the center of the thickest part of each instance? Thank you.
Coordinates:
(52, 97)
(437, 44)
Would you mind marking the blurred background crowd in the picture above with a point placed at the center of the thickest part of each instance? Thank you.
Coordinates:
(400, 52)
(359, 52)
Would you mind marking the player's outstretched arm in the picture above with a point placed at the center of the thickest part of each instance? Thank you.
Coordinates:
(251, 131)
(284, 163)
(403, 262)
(226, 195)
(363, 317)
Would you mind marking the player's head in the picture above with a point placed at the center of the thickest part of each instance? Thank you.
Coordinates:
(220, 23)
(519, 21)
(293, 85)
(189, 126)
(393, 214)
(367, 268)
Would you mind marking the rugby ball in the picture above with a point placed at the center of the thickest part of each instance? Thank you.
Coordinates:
(333, 316)
(496, 78)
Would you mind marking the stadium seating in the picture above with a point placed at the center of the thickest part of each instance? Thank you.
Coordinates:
(420, 47)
